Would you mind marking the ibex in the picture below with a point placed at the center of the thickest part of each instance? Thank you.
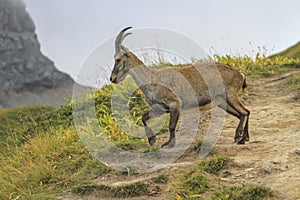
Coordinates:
(173, 95)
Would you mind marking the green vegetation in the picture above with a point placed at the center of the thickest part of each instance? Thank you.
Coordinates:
(42, 155)
(86, 188)
(294, 81)
(242, 192)
(261, 66)
(292, 52)
(14, 124)
(163, 178)
(48, 163)
(123, 191)
(194, 183)
(215, 164)
(131, 190)
(128, 115)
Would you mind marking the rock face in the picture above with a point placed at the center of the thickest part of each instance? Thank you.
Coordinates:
(27, 77)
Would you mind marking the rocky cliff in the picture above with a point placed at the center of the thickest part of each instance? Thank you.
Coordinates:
(27, 77)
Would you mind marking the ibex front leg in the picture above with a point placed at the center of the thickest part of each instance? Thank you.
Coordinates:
(155, 111)
(174, 116)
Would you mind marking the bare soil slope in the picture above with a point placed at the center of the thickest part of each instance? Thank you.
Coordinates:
(271, 158)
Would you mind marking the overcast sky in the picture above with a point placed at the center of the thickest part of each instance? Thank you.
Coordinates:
(70, 29)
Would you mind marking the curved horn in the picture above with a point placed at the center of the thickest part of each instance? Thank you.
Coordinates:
(120, 38)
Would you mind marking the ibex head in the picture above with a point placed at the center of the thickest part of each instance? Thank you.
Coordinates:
(122, 58)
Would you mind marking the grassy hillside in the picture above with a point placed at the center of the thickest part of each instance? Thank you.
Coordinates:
(260, 66)
(42, 155)
(44, 158)
(292, 52)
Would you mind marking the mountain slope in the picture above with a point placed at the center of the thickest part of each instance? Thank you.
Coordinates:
(291, 52)
(27, 77)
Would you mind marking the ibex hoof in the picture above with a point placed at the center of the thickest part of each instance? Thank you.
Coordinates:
(240, 140)
(152, 140)
(247, 139)
(168, 145)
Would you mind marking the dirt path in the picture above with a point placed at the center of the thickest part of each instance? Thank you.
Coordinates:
(271, 158)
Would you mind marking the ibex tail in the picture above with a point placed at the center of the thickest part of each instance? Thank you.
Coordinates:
(244, 83)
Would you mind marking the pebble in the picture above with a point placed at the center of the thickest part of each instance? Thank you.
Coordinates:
(266, 169)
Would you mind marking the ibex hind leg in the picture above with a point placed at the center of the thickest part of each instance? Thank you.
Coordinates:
(246, 133)
(229, 109)
(174, 116)
(236, 108)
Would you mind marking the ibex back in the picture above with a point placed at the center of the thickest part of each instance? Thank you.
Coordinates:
(168, 90)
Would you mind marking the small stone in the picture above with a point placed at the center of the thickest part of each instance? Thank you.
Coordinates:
(266, 169)
(225, 179)
(276, 162)
(226, 173)
(249, 176)
(249, 169)
(297, 151)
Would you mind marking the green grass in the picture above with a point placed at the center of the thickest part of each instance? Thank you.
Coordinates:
(15, 124)
(242, 192)
(214, 164)
(123, 191)
(195, 183)
(130, 144)
(41, 153)
(294, 81)
(85, 188)
(163, 178)
(192, 184)
(260, 66)
(129, 116)
(131, 190)
(49, 163)
(291, 52)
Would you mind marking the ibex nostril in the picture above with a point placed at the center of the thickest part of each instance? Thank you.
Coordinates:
(113, 79)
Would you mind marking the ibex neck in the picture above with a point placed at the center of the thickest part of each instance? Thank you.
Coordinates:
(142, 75)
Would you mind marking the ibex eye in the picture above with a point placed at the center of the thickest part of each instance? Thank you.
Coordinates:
(118, 60)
